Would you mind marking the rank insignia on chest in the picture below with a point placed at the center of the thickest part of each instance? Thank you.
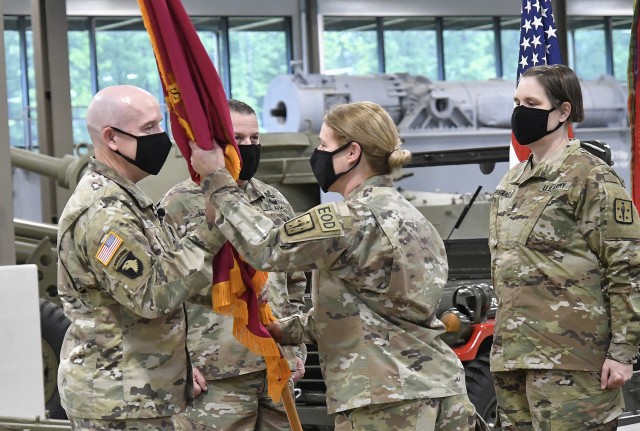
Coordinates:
(108, 248)
(623, 211)
(129, 265)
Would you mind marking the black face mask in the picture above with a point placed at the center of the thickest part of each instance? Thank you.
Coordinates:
(322, 167)
(530, 124)
(250, 160)
(151, 153)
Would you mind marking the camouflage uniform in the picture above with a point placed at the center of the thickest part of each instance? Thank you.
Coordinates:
(122, 279)
(565, 248)
(236, 378)
(379, 268)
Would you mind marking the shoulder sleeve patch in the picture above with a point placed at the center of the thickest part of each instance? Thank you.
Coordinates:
(323, 221)
(128, 264)
(108, 248)
(298, 225)
(327, 217)
(623, 211)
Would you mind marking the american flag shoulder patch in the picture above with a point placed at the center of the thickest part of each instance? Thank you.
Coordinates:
(108, 248)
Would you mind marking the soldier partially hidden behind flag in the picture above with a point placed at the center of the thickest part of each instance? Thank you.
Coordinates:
(236, 381)
(122, 278)
(565, 252)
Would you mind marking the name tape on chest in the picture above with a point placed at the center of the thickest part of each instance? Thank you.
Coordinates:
(320, 222)
(546, 188)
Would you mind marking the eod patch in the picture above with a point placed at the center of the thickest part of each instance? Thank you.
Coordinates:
(323, 221)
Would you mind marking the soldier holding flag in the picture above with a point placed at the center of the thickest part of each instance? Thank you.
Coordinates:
(122, 277)
(379, 269)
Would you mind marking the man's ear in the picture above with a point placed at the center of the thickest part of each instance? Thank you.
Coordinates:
(108, 135)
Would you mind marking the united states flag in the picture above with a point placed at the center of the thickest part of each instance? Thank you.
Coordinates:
(108, 248)
(538, 45)
(538, 40)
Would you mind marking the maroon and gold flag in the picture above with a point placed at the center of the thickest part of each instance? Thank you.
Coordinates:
(199, 112)
(634, 106)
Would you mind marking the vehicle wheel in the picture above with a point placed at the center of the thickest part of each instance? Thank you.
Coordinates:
(480, 388)
(53, 326)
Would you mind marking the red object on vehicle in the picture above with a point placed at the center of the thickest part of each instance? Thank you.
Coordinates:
(481, 331)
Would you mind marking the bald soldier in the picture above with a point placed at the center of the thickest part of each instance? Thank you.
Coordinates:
(122, 278)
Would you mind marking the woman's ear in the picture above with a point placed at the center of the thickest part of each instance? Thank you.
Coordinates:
(565, 109)
(355, 151)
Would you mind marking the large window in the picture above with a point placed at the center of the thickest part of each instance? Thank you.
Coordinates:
(249, 52)
(410, 46)
(350, 46)
(469, 49)
(259, 51)
(587, 50)
(103, 51)
(80, 74)
(621, 36)
(20, 82)
(464, 48)
(510, 46)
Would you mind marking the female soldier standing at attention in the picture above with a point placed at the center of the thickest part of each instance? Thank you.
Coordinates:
(379, 268)
(565, 255)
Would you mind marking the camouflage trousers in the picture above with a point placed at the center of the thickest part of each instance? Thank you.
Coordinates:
(557, 400)
(152, 424)
(438, 414)
(239, 403)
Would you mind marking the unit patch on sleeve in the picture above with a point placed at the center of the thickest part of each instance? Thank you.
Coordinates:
(320, 222)
(129, 265)
(299, 225)
(327, 217)
(623, 211)
(108, 248)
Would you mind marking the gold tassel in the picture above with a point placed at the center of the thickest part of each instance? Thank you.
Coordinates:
(232, 161)
(235, 278)
(266, 314)
(278, 374)
(241, 312)
(259, 345)
(222, 299)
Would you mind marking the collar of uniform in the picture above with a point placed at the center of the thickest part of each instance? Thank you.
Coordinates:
(375, 181)
(115, 176)
(549, 168)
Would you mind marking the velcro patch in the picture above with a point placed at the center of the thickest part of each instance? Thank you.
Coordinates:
(320, 222)
(128, 264)
(327, 217)
(299, 225)
(108, 248)
(623, 211)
